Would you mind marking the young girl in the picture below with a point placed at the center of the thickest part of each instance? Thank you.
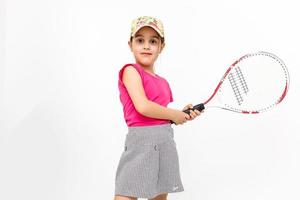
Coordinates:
(148, 167)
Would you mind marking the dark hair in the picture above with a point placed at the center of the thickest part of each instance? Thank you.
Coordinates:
(161, 39)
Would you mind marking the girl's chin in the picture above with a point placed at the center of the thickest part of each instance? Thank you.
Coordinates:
(145, 63)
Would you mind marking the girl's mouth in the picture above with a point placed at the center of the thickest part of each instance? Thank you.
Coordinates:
(145, 53)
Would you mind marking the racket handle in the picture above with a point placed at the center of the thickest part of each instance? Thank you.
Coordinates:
(198, 107)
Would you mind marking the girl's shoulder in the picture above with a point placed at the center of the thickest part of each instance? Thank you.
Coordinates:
(139, 70)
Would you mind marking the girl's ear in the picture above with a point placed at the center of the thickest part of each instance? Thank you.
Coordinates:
(130, 45)
(162, 47)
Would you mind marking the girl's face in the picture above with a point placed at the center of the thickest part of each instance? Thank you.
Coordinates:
(146, 45)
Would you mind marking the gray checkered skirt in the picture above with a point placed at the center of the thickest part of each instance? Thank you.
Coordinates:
(149, 164)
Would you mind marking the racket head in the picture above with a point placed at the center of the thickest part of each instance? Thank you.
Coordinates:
(253, 84)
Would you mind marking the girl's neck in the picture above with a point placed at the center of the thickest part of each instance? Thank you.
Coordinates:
(149, 69)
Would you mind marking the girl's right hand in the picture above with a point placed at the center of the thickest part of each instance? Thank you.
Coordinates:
(180, 117)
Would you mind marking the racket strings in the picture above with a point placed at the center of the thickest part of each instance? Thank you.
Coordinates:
(238, 83)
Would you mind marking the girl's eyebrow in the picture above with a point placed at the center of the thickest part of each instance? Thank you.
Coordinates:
(151, 36)
(138, 36)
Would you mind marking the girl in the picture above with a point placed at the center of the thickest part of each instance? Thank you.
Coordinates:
(148, 167)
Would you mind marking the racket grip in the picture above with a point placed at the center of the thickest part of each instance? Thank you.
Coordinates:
(198, 107)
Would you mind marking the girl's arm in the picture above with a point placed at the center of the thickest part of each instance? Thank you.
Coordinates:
(134, 86)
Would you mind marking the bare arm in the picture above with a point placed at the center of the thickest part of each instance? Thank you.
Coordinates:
(134, 86)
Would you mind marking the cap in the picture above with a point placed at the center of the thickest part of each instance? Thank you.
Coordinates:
(152, 22)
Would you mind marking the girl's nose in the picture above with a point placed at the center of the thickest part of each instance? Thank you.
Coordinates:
(146, 45)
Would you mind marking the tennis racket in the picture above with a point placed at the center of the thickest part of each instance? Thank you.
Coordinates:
(255, 83)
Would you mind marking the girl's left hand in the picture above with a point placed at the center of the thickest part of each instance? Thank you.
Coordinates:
(193, 113)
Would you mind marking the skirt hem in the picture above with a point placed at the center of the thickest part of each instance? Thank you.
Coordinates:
(146, 196)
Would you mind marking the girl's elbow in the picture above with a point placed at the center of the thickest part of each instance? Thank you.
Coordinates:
(142, 108)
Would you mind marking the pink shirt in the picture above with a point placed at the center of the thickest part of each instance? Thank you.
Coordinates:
(157, 89)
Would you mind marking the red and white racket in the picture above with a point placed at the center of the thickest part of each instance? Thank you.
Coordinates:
(253, 84)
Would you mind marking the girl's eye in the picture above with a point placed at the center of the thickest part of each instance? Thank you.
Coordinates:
(139, 40)
(153, 41)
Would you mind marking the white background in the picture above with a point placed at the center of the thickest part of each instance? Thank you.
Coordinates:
(62, 129)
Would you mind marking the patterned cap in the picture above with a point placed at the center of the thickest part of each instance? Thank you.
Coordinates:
(152, 22)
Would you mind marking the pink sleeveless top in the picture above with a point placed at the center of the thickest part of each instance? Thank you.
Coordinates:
(156, 88)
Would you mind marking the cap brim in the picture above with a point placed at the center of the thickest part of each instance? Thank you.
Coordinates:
(153, 27)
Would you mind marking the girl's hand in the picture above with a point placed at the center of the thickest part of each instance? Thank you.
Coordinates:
(180, 117)
(193, 113)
